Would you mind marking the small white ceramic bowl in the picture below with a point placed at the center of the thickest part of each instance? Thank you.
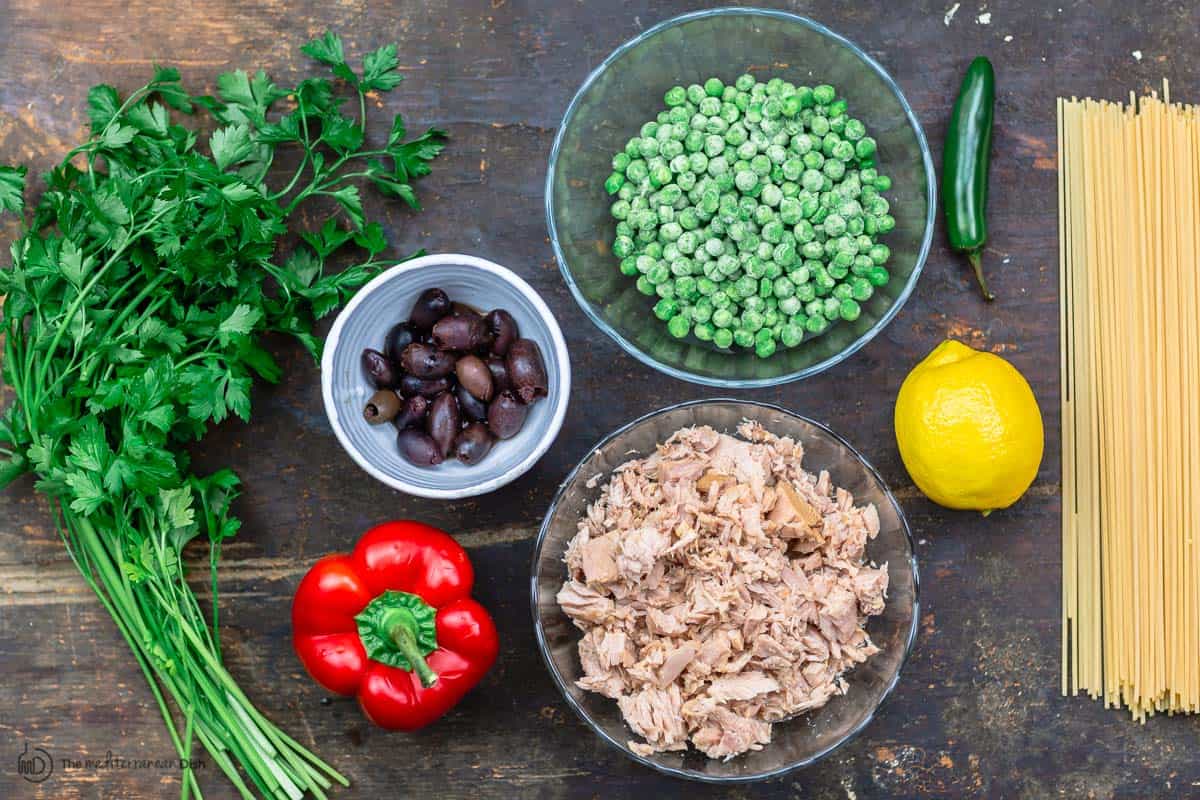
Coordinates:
(386, 300)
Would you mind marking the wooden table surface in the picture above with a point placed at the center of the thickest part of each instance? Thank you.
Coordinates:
(977, 712)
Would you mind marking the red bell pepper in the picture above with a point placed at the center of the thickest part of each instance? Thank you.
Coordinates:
(393, 623)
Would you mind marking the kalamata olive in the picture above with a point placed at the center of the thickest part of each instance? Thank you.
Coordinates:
(473, 375)
(526, 370)
(426, 361)
(472, 408)
(504, 330)
(412, 415)
(499, 370)
(443, 422)
(463, 310)
(473, 443)
(418, 448)
(432, 305)
(398, 338)
(412, 385)
(460, 332)
(380, 369)
(384, 405)
(506, 415)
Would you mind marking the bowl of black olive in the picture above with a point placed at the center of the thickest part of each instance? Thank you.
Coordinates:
(446, 376)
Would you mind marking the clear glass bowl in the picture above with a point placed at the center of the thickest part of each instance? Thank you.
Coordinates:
(799, 741)
(627, 89)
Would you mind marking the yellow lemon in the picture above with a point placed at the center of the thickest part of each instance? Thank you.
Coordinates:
(969, 429)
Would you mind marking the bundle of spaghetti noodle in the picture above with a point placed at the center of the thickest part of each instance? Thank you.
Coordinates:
(1129, 186)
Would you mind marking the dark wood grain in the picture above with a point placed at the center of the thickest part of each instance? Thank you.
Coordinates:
(977, 712)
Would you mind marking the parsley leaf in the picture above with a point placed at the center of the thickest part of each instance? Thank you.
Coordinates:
(230, 145)
(12, 189)
(380, 70)
(103, 103)
(328, 50)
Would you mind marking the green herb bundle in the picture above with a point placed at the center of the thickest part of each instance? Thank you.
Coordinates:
(139, 291)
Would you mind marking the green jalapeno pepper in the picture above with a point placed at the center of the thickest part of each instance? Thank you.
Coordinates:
(965, 162)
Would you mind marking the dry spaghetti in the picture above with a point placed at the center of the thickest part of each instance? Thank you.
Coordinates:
(1128, 185)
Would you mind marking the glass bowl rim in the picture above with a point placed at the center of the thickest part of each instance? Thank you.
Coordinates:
(743, 383)
(544, 647)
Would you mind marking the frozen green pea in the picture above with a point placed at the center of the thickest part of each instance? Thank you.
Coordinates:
(790, 305)
(816, 323)
(864, 147)
(885, 223)
(644, 285)
(722, 338)
(878, 276)
(622, 247)
(790, 211)
(771, 195)
(743, 337)
(764, 348)
(745, 180)
(783, 287)
(819, 126)
(666, 308)
(823, 94)
(704, 331)
(849, 309)
(744, 82)
(629, 266)
(791, 335)
(861, 289)
(834, 225)
(722, 318)
(879, 254)
(841, 291)
(831, 308)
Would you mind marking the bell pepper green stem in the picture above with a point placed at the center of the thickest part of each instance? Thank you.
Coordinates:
(402, 630)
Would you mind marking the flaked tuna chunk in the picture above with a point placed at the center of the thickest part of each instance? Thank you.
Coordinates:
(871, 519)
(715, 648)
(667, 623)
(742, 687)
(726, 734)
(675, 664)
(581, 602)
(870, 585)
(689, 469)
(597, 677)
(657, 716)
(614, 650)
(790, 506)
(839, 609)
(599, 559)
(639, 550)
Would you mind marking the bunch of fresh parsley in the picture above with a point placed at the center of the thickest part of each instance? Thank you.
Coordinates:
(139, 291)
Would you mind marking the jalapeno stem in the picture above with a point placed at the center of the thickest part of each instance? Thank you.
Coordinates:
(975, 258)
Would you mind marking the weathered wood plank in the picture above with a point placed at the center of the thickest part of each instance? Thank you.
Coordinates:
(977, 712)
